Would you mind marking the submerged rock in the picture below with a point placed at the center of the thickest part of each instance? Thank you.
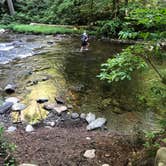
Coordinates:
(60, 100)
(42, 100)
(29, 128)
(89, 153)
(90, 117)
(49, 106)
(99, 122)
(10, 88)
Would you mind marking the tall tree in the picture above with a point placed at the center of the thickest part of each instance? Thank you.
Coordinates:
(11, 7)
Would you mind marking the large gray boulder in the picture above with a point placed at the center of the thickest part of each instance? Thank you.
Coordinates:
(99, 122)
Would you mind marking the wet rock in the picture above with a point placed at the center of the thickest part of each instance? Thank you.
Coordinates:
(90, 117)
(10, 88)
(99, 122)
(89, 153)
(5, 107)
(60, 100)
(60, 108)
(83, 116)
(77, 88)
(29, 128)
(69, 106)
(50, 42)
(74, 115)
(42, 100)
(11, 129)
(49, 106)
(32, 82)
(12, 99)
(45, 78)
(52, 124)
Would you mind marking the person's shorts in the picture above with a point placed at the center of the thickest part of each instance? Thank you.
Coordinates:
(84, 43)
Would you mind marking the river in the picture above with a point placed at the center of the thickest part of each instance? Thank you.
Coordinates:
(28, 58)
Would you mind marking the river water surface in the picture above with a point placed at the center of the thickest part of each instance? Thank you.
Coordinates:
(27, 58)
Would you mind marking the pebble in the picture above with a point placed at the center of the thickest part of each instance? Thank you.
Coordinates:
(11, 129)
(28, 164)
(89, 153)
(105, 165)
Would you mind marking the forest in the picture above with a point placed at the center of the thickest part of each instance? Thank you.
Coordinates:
(120, 75)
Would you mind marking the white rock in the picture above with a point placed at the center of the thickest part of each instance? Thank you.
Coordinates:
(18, 107)
(60, 108)
(2, 30)
(88, 138)
(29, 128)
(83, 116)
(90, 117)
(99, 122)
(11, 129)
(89, 153)
(12, 99)
(105, 165)
(28, 164)
(52, 124)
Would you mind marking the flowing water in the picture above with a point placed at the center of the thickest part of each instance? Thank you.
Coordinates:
(71, 74)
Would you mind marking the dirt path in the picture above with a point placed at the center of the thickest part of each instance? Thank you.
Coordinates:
(65, 146)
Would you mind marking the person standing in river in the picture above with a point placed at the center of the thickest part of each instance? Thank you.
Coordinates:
(84, 41)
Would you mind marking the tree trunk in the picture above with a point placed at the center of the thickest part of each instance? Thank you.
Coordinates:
(126, 9)
(11, 7)
(115, 8)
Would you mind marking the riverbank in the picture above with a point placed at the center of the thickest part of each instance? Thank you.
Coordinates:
(66, 145)
(46, 29)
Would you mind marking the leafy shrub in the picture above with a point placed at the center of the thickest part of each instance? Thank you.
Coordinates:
(5, 150)
(109, 27)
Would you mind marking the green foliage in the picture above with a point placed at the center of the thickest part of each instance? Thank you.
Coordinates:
(127, 35)
(43, 29)
(153, 140)
(123, 65)
(109, 27)
(5, 150)
(148, 17)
